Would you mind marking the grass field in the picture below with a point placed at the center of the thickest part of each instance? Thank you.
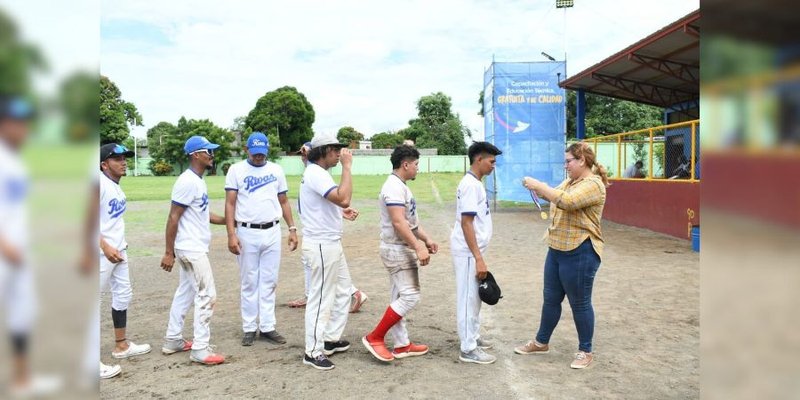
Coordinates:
(426, 187)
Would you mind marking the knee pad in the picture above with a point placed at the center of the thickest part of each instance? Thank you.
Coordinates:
(19, 343)
(120, 318)
(408, 300)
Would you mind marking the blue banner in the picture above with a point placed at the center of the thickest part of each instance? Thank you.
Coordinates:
(525, 116)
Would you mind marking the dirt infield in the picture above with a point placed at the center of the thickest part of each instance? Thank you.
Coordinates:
(646, 342)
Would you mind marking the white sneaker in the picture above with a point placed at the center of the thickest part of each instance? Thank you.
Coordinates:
(40, 385)
(109, 371)
(477, 356)
(484, 344)
(357, 300)
(133, 350)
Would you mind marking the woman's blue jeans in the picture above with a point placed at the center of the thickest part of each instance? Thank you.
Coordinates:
(569, 273)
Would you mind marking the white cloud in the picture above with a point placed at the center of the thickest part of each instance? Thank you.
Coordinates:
(359, 63)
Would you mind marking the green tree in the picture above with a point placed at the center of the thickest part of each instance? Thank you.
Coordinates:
(79, 99)
(129, 142)
(162, 131)
(274, 144)
(436, 126)
(348, 135)
(171, 148)
(606, 115)
(447, 137)
(18, 60)
(434, 109)
(386, 140)
(286, 111)
(115, 113)
(412, 132)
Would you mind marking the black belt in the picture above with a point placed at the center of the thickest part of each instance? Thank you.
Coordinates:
(260, 226)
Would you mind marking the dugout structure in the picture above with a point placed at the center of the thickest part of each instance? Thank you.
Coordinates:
(663, 70)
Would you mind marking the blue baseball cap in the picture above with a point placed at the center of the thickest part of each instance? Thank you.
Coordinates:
(196, 143)
(114, 149)
(17, 108)
(258, 143)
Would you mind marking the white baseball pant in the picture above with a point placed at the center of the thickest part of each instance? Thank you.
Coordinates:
(328, 294)
(117, 278)
(91, 356)
(468, 303)
(259, 263)
(18, 295)
(307, 272)
(196, 286)
(401, 263)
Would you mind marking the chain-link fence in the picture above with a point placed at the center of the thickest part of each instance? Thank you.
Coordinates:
(657, 153)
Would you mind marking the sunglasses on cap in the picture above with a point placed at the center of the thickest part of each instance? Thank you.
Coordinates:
(112, 150)
(207, 151)
(120, 149)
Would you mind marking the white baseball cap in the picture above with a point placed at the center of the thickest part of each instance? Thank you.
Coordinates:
(322, 139)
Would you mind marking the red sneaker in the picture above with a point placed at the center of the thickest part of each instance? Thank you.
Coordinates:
(378, 349)
(175, 346)
(206, 356)
(410, 350)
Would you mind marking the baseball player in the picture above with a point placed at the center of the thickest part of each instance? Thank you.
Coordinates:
(255, 199)
(468, 242)
(187, 239)
(357, 297)
(403, 244)
(321, 204)
(114, 273)
(89, 266)
(17, 293)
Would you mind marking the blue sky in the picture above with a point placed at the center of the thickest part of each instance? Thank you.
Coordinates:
(359, 63)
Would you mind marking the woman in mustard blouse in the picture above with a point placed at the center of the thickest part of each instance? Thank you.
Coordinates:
(575, 243)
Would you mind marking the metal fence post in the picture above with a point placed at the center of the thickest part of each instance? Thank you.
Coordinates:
(694, 143)
(650, 168)
(619, 156)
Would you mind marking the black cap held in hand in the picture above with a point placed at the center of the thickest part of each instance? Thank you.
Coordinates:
(489, 290)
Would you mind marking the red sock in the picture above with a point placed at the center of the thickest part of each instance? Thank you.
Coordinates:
(390, 317)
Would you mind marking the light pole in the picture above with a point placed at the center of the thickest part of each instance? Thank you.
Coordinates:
(135, 158)
(565, 4)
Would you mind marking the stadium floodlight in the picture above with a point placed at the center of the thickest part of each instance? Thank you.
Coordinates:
(548, 56)
(565, 3)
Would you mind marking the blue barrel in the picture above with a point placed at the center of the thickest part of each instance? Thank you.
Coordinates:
(696, 238)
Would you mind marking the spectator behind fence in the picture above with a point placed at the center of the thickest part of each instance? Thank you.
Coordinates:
(634, 171)
(682, 170)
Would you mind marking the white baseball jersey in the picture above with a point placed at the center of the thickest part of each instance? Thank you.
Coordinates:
(471, 199)
(395, 193)
(322, 220)
(14, 186)
(190, 191)
(257, 191)
(112, 208)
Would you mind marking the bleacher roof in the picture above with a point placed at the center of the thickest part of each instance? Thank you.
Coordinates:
(662, 69)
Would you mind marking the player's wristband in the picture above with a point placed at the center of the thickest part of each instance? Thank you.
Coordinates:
(292, 228)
